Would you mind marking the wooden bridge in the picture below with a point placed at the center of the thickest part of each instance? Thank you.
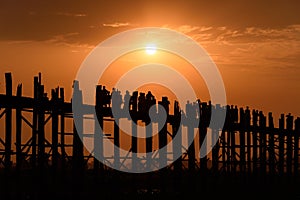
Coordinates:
(247, 144)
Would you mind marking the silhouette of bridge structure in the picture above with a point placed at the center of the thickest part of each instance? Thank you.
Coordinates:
(248, 145)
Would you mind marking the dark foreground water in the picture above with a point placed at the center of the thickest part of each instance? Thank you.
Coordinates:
(156, 185)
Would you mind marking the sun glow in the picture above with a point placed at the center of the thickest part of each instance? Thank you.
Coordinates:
(150, 49)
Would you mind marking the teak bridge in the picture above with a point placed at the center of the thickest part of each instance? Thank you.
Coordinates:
(248, 143)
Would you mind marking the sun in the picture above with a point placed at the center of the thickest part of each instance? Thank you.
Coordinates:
(150, 49)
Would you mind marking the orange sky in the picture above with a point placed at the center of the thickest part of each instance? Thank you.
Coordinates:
(255, 44)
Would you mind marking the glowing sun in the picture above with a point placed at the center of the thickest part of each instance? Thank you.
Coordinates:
(150, 49)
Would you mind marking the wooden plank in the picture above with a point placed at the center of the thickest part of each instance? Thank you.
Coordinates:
(15, 101)
(2, 114)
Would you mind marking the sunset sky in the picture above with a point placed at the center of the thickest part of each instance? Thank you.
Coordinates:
(255, 44)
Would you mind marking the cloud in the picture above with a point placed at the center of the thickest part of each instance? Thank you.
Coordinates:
(116, 24)
(187, 29)
(250, 48)
(63, 37)
(19, 42)
(70, 40)
(268, 46)
(67, 14)
(221, 28)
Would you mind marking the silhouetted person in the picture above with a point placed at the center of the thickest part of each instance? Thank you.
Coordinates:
(235, 114)
(133, 101)
(126, 101)
(150, 100)
(100, 96)
(142, 103)
(165, 103)
(255, 117)
(149, 96)
(106, 97)
(247, 117)
(116, 100)
(205, 114)
(196, 110)
(189, 110)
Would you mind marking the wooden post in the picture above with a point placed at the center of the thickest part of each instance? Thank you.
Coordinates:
(215, 150)
(55, 110)
(233, 160)
(134, 145)
(19, 130)
(232, 151)
(134, 114)
(249, 143)
(78, 127)
(203, 125)
(215, 141)
(8, 122)
(281, 145)
(190, 118)
(98, 132)
(223, 143)
(77, 154)
(254, 140)
(272, 156)
(162, 142)
(62, 128)
(41, 128)
(149, 132)
(263, 143)
(191, 149)
(117, 144)
(162, 135)
(296, 147)
(177, 147)
(34, 121)
(116, 102)
(232, 119)
(228, 150)
(242, 140)
(289, 144)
